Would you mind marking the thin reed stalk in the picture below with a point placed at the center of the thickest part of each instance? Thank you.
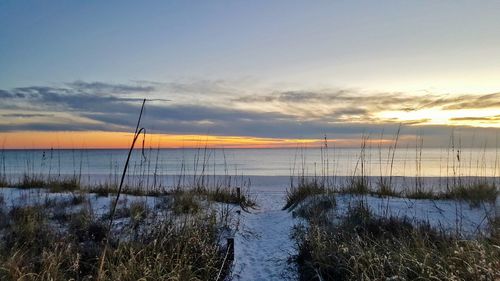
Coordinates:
(137, 133)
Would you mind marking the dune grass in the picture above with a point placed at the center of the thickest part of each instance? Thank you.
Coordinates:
(474, 193)
(229, 195)
(106, 189)
(36, 244)
(356, 185)
(53, 184)
(316, 208)
(221, 194)
(364, 247)
(3, 181)
(305, 189)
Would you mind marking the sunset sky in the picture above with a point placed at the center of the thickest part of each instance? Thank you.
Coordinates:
(247, 73)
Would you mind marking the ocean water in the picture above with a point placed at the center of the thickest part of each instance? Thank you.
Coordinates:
(265, 166)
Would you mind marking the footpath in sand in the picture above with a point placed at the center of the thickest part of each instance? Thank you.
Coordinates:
(262, 243)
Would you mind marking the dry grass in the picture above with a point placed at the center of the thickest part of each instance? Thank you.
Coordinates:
(106, 189)
(357, 185)
(421, 194)
(153, 245)
(229, 195)
(316, 208)
(53, 184)
(3, 181)
(303, 190)
(385, 189)
(362, 247)
(474, 193)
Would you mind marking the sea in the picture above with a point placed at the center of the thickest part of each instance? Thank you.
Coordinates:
(268, 167)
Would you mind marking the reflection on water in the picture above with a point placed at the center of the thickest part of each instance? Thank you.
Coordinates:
(432, 162)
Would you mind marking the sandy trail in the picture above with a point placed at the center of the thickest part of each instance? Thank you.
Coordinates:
(262, 244)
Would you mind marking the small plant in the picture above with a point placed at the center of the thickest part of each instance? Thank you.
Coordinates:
(3, 213)
(305, 189)
(317, 208)
(84, 227)
(494, 224)
(3, 181)
(385, 189)
(31, 181)
(103, 190)
(64, 184)
(25, 236)
(229, 195)
(357, 185)
(421, 194)
(473, 193)
(185, 203)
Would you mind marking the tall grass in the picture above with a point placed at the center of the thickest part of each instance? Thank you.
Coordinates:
(458, 185)
(296, 194)
(162, 247)
(364, 247)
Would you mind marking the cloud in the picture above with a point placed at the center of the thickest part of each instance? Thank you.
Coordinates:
(476, 102)
(54, 127)
(80, 105)
(107, 88)
(64, 99)
(26, 115)
(487, 118)
(376, 100)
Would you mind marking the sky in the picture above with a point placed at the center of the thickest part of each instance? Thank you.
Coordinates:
(248, 73)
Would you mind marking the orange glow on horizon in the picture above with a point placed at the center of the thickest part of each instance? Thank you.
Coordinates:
(102, 140)
(112, 140)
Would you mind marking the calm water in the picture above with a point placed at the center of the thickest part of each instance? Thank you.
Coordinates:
(431, 162)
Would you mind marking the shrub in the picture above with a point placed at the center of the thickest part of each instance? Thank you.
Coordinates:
(473, 193)
(316, 208)
(357, 185)
(305, 189)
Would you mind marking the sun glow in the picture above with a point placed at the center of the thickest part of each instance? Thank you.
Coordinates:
(435, 116)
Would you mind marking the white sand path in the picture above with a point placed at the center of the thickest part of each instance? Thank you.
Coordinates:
(262, 243)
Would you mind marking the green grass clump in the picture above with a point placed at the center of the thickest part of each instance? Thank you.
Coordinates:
(3, 213)
(473, 193)
(317, 208)
(105, 189)
(364, 247)
(494, 225)
(385, 189)
(229, 195)
(357, 185)
(64, 184)
(31, 181)
(185, 203)
(53, 184)
(3, 181)
(421, 194)
(305, 189)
